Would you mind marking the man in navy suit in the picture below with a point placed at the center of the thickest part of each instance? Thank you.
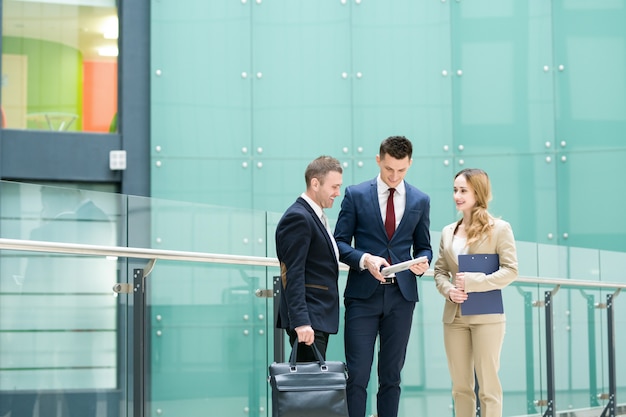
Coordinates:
(378, 306)
(309, 261)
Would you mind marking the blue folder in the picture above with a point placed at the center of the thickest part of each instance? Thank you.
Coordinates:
(488, 302)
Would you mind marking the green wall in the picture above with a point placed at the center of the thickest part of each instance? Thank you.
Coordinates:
(55, 77)
(245, 94)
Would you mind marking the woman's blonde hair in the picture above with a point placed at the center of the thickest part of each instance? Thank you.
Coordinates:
(480, 221)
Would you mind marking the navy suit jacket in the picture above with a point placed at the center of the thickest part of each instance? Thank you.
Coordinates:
(360, 223)
(309, 271)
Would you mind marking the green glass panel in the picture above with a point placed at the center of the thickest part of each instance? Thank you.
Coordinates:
(552, 261)
(522, 345)
(590, 209)
(209, 331)
(209, 340)
(524, 192)
(525, 335)
(272, 220)
(571, 359)
(205, 228)
(63, 335)
(361, 168)
(203, 180)
(201, 82)
(397, 74)
(611, 264)
(590, 61)
(502, 86)
(301, 100)
(277, 183)
(192, 130)
(434, 176)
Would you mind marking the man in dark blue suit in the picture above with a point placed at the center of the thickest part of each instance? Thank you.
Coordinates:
(309, 261)
(388, 221)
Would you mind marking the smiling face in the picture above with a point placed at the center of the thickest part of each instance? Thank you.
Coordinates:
(392, 170)
(464, 196)
(324, 191)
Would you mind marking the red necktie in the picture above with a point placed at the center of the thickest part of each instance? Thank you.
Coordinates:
(390, 219)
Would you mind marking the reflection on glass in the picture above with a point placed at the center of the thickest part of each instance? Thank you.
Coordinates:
(59, 65)
(60, 337)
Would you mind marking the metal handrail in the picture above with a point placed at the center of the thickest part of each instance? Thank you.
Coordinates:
(156, 254)
(126, 252)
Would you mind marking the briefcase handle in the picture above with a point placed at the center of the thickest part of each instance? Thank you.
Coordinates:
(316, 352)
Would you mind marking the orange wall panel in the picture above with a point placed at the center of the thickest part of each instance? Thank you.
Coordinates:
(99, 95)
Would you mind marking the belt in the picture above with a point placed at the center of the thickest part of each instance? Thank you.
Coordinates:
(389, 281)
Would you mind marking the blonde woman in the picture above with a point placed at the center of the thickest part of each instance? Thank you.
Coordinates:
(473, 342)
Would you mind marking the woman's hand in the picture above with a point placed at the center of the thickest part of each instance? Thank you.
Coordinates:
(457, 296)
(459, 281)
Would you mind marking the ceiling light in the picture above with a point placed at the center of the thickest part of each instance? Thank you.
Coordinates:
(110, 29)
(110, 34)
(108, 51)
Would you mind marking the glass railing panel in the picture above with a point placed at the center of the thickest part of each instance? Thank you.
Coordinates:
(181, 226)
(574, 350)
(523, 353)
(425, 378)
(552, 261)
(272, 222)
(208, 335)
(521, 356)
(611, 270)
(210, 338)
(62, 329)
(60, 214)
(63, 336)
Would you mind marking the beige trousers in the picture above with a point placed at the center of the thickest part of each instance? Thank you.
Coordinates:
(476, 347)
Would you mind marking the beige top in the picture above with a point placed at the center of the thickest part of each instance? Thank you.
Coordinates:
(502, 242)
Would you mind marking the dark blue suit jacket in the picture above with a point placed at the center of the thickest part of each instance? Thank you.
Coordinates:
(309, 271)
(360, 222)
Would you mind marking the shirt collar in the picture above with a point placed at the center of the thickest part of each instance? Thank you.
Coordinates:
(313, 204)
(383, 188)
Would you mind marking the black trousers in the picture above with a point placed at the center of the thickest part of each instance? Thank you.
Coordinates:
(305, 353)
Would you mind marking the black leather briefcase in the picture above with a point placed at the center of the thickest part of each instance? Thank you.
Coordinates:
(308, 389)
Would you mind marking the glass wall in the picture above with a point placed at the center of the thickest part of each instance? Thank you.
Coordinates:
(59, 65)
(70, 345)
(63, 332)
(533, 92)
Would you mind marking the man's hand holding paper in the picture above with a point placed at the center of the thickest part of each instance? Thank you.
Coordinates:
(418, 266)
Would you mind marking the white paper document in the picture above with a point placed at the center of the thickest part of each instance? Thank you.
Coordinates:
(402, 266)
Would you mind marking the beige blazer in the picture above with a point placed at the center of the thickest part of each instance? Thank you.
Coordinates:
(501, 242)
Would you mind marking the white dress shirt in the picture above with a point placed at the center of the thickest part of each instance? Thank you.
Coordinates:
(399, 199)
(399, 203)
(324, 219)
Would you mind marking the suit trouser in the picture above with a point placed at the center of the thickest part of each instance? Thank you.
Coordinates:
(474, 348)
(386, 314)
